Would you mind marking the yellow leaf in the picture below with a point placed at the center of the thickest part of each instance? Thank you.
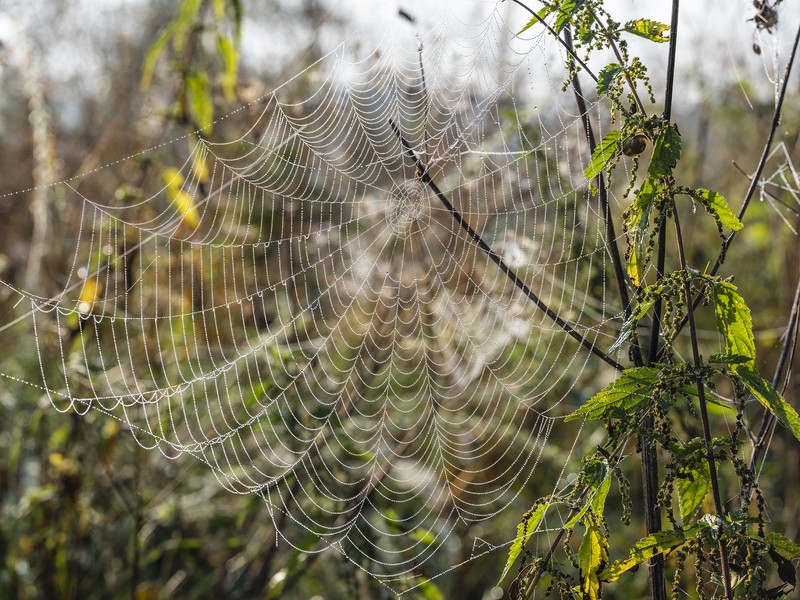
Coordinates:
(174, 180)
(90, 292)
(633, 268)
(185, 206)
(200, 168)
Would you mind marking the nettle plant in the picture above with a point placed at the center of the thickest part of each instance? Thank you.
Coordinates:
(729, 547)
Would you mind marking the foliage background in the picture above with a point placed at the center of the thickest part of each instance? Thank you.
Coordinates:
(85, 512)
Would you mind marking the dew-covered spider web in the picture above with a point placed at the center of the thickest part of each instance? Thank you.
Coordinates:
(300, 309)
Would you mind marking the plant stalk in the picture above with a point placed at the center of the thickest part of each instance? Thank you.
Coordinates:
(712, 465)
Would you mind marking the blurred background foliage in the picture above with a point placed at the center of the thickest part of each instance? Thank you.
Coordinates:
(86, 513)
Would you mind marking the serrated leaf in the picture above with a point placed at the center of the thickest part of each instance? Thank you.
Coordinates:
(645, 549)
(598, 501)
(666, 153)
(603, 153)
(634, 268)
(783, 546)
(623, 395)
(728, 359)
(198, 96)
(692, 490)
(734, 322)
(542, 14)
(592, 558)
(720, 207)
(524, 532)
(606, 78)
(646, 28)
(763, 391)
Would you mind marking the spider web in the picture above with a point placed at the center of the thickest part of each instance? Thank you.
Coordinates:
(299, 310)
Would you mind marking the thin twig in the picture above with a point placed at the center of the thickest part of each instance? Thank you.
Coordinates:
(762, 163)
(707, 439)
(783, 203)
(786, 358)
(424, 175)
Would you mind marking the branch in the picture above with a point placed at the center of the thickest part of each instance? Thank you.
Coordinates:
(422, 170)
(698, 372)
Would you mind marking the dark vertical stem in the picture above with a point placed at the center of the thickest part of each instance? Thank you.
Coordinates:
(658, 589)
(698, 372)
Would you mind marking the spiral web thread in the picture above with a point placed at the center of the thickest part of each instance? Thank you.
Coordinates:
(296, 309)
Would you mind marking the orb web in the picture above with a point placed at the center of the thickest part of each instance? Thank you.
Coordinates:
(298, 310)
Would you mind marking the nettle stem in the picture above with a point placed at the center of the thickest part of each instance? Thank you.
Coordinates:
(707, 439)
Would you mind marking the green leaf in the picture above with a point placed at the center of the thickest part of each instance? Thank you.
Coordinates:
(719, 206)
(153, 54)
(592, 558)
(183, 23)
(639, 224)
(565, 12)
(692, 490)
(734, 321)
(542, 14)
(783, 546)
(728, 359)
(646, 28)
(646, 548)
(524, 532)
(603, 153)
(424, 536)
(606, 78)
(177, 31)
(623, 395)
(198, 95)
(666, 153)
(596, 503)
(429, 590)
(230, 58)
(763, 391)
